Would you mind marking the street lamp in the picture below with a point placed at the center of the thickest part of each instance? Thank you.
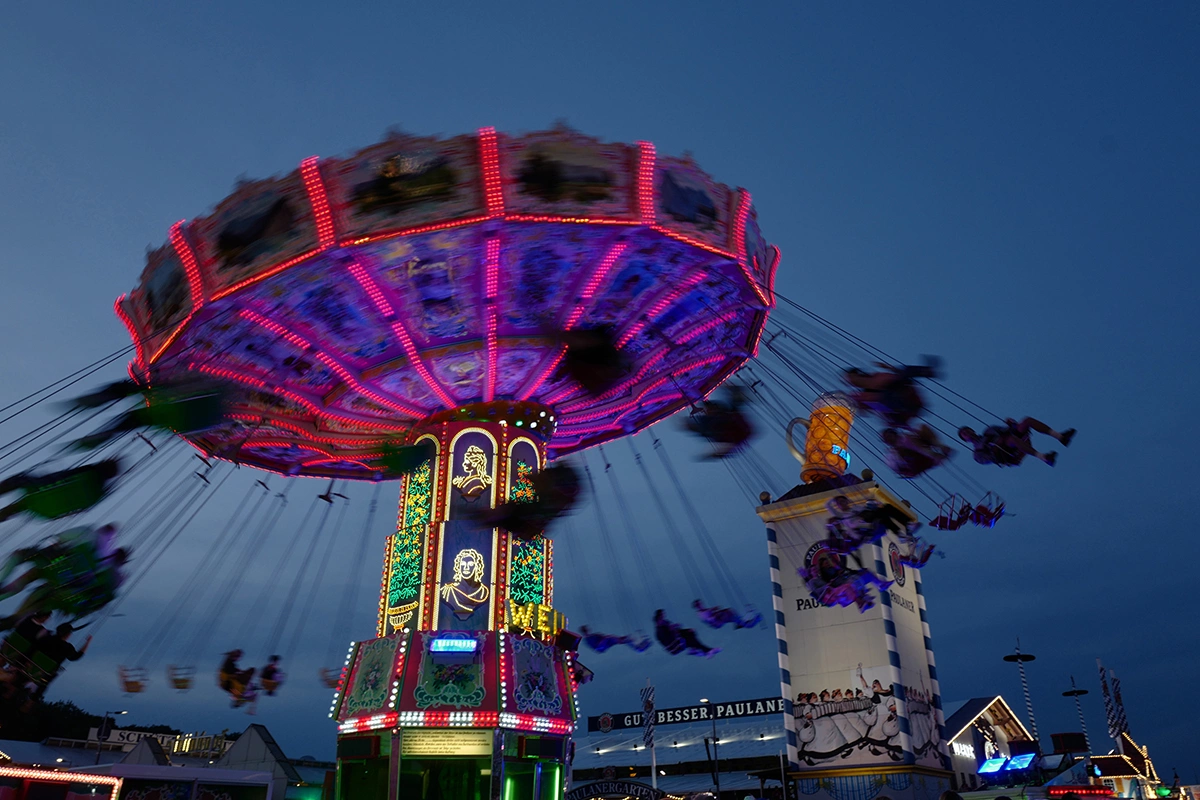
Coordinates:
(1076, 693)
(1021, 659)
(716, 761)
(102, 731)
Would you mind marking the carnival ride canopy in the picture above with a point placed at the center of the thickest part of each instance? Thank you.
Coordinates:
(358, 298)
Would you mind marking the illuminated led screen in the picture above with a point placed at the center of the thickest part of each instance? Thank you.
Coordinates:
(992, 765)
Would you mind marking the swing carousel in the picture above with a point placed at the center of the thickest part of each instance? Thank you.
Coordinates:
(462, 320)
(427, 292)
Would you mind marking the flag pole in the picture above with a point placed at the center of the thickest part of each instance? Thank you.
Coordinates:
(648, 715)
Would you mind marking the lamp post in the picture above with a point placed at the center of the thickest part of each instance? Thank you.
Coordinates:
(1076, 693)
(102, 732)
(716, 761)
(1020, 659)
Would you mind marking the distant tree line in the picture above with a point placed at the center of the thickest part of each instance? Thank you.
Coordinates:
(63, 719)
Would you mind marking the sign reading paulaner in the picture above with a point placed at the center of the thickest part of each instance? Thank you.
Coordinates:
(446, 742)
(698, 713)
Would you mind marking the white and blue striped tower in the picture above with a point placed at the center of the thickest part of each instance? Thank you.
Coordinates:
(864, 714)
(785, 677)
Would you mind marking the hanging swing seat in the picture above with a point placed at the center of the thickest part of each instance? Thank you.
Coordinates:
(181, 678)
(269, 685)
(133, 679)
(331, 677)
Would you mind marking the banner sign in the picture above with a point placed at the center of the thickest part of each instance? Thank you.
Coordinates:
(702, 712)
(415, 743)
(640, 791)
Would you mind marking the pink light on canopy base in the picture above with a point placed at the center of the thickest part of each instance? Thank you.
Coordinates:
(355, 298)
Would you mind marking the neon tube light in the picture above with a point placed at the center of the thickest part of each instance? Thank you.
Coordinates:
(64, 777)
(258, 383)
(692, 333)
(551, 365)
(318, 198)
(491, 286)
(739, 233)
(625, 385)
(427, 228)
(170, 340)
(647, 158)
(659, 307)
(489, 160)
(188, 259)
(597, 277)
(406, 341)
(262, 276)
(341, 371)
(119, 310)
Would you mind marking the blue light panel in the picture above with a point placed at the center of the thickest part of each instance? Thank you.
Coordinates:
(453, 646)
(992, 765)
(1020, 762)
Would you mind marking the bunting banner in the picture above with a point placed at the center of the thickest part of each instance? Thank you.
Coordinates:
(1122, 725)
(1109, 713)
(648, 715)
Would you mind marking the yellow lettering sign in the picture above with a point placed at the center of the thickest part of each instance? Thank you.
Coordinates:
(537, 617)
(522, 616)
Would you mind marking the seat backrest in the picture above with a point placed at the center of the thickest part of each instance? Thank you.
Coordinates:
(15, 644)
(43, 668)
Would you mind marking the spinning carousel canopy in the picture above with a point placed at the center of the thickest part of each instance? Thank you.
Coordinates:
(359, 299)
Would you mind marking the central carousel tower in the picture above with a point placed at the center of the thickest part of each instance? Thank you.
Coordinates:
(471, 681)
(422, 291)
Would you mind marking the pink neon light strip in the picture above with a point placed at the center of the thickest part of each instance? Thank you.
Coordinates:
(680, 237)
(625, 385)
(739, 226)
(432, 226)
(598, 276)
(318, 198)
(545, 374)
(582, 433)
(299, 430)
(659, 307)
(438, 226)
(195, 283)
(329, 361)
(656, 383)
(569, 220)
(647, 158)
(406, 341)
(647, 365)
(133, 334)
(54, 776)
(285, 443)
(561, 394)
(258, 383)
(706, 326)
(170, 340)
(262, 276)
(489, 159)
(758, 337)
(778, 256)
(338, 460)
(491, 286)
(739, 233)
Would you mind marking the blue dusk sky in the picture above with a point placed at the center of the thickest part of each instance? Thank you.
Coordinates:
(1010, 186)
